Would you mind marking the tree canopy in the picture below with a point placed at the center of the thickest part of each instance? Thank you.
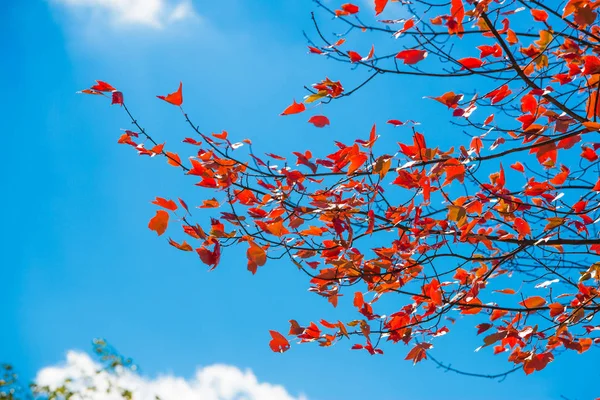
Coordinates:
(497, 230)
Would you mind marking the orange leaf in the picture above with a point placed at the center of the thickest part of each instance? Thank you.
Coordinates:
(160, 222)
(471, 308)
(278, 343)
(449, 99)
(533, 302)
(476, 144)
(556, 309)
(371, 53)
(210, 203)
(505, 291)
(457, 214)
(183, 246)
(158, 149)
(173, 159)
(90, 91)
(294, 108)
(418, 353)
(257, 257)
(358, 300)
(175, 98)
(593, 126)
(168, 204)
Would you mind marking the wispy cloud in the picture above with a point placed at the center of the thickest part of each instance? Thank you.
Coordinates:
(215, 382)
(150, 13)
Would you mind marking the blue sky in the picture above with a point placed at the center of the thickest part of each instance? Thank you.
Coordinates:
(78, 261)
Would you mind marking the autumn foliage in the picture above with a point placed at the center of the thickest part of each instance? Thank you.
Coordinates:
(498, 232)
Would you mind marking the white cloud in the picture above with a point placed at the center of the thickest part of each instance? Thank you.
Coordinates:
(214, 382)
(151, 13)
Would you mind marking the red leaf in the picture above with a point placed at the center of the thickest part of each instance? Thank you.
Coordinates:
(499, 94)
(315, 50)
(210, 258)
(101, 86)
(222, 135)
(483, 327)
(589, 154)
(537, 363)
(278, 343)
(294, 108)
(488, 120)
(407, 25)
(454, 170)
(411, 56)
(117, 98)
(592, 65)
(159, 222)
(354, 56)
(380, 6)
(518, 167)
(319, 121)
(184, 205)
(433, 291)
(522, 227)
(539, 15)
(175, 98)
(470, 63)
(275, 156)
(350, 8)
(529, 104)
(487, 50)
